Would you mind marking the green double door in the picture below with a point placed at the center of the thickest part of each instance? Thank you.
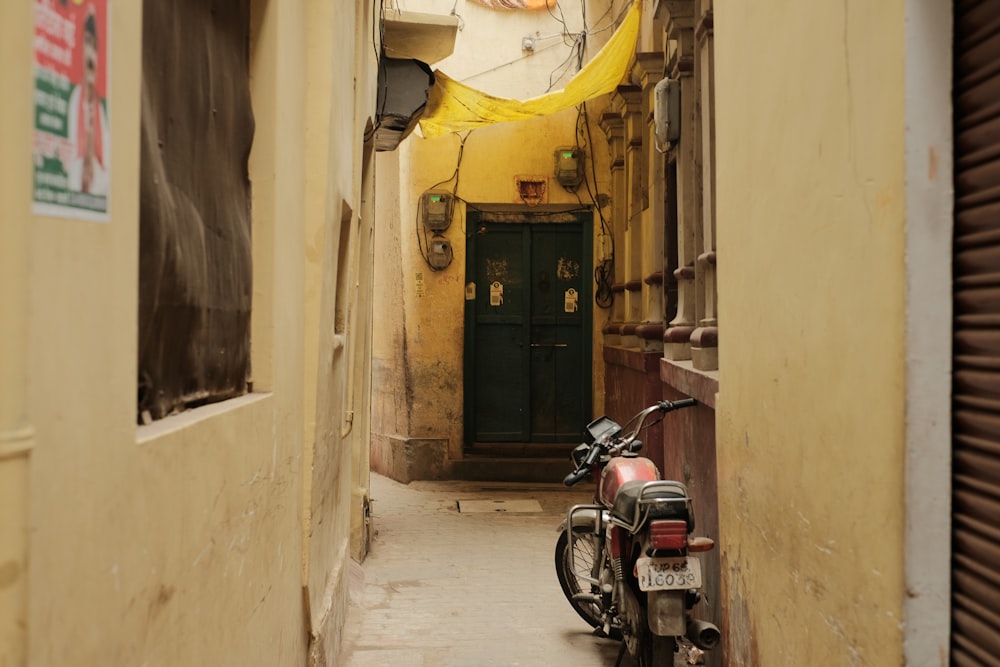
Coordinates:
(528, 323)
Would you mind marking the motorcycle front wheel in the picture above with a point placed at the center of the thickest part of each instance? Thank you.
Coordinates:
(572, 567)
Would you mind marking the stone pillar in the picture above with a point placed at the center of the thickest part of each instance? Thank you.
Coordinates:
(648, 71)
(635, 176)
(679, 27)
(705, 339)
(614, 129)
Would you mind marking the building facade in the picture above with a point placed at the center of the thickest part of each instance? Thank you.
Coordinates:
(492, 356)
(806, 303)
(170, 496)
(782, 249)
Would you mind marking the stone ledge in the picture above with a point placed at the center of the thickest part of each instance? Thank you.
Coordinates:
(700, 385)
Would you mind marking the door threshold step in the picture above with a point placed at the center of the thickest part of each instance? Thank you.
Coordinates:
(526, 450)
(508, 469)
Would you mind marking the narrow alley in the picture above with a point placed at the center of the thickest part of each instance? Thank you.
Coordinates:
(271, 271)
(448, 588)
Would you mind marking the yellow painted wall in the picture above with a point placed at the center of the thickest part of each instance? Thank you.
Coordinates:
(16, 433)
(422, 389)
(337, 292)
(811, 271)
(187, 541)
(493, 156)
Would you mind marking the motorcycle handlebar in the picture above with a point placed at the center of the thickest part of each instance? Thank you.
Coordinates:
(584, 469)
(575, 476)
(595, 451)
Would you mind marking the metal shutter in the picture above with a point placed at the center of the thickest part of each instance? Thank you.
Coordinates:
(976, 382)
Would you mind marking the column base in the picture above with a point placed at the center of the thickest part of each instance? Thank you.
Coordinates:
(705, 348)
(677, 343)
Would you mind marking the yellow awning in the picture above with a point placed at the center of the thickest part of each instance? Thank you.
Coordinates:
(455, 107)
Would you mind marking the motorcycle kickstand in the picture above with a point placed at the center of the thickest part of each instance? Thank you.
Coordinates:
(621, 655)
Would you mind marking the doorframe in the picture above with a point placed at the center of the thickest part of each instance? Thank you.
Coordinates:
(527, 215)
(929, 225)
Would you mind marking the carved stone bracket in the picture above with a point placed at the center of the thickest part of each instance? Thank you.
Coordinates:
(684, 273)
(612, 328)
(648, 68)
(650, 331)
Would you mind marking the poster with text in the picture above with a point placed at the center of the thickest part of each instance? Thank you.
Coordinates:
(72, 147)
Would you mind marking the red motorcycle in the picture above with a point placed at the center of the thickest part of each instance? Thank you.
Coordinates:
(625, 562)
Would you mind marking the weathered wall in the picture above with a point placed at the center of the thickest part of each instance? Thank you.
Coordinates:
(337, 293)
(810, 410)
(426, 381)
(190, 540)
(17, 437)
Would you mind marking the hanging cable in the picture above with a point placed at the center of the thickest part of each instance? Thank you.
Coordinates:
(604, 270)
(423, 240)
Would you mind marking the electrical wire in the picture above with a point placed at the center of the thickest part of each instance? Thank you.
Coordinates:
(576, 51)
(508, 63)
(461, 21)
(381, 78)
(423, 242)
(604, 271)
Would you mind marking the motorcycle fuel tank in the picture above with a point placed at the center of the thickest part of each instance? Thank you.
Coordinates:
(620, 470)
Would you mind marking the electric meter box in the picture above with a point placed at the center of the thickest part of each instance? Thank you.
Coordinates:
(667, 112)
(439, 253)
(569, 167)
(437, 209)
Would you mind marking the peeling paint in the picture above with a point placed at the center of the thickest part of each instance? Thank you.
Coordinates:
(497, 269)
(567, 268)
(163, 596)
(10, 572)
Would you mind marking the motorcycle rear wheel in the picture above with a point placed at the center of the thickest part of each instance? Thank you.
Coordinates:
(570, 579)
(657, 651)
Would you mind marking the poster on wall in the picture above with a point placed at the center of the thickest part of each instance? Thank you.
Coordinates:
(518, 4)
(72, 154)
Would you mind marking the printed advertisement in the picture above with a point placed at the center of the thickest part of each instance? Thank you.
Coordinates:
(72, 153)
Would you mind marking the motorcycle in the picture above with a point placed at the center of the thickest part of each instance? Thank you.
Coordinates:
(625, 562)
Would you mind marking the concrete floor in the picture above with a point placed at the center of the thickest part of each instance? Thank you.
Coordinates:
(471, 588)
(444, 588)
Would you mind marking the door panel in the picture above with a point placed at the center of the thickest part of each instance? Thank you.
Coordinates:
(527, 331)
(499, 349)
(556, 332)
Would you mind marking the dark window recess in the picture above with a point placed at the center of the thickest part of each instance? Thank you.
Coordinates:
(195, 278)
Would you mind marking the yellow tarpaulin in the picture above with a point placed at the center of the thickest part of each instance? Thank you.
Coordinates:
(455, 107)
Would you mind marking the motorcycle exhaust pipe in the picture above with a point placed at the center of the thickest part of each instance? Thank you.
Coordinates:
(703, 634)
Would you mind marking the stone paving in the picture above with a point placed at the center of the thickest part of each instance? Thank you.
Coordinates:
(443, 588)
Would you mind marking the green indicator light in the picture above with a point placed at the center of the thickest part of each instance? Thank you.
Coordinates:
(567, 155)
(436, 198)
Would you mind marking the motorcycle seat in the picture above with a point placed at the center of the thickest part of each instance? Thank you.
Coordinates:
(629, 493)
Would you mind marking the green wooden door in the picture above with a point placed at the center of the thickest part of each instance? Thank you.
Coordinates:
(527, 331)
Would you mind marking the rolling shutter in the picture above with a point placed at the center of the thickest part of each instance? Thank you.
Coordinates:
(976, 381)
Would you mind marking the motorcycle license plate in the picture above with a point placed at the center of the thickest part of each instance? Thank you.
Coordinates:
(668, 574)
